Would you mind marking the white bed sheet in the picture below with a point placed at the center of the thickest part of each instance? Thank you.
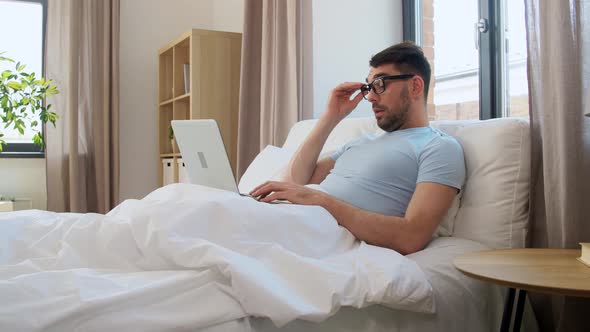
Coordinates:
(463, 304)
(189, 257)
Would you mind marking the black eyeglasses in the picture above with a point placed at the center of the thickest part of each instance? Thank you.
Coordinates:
(378, 84)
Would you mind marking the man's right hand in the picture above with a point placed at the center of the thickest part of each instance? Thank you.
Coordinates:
(340, 104)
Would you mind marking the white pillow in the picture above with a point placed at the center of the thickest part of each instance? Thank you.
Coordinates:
(447, 225)
(494, 206)
(268, 165)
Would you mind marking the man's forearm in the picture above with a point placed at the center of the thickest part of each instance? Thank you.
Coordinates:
(340, 103)
(303, 163)
(385, 231)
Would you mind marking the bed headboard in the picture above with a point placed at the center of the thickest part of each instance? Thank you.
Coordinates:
(494, 204)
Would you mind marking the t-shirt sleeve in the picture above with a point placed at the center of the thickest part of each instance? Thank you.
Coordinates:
(336, 154)
(442, 161)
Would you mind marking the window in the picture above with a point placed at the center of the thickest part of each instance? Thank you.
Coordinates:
(22, 23)
(479, 71)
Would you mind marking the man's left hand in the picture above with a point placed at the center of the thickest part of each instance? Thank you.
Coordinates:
(294, 193)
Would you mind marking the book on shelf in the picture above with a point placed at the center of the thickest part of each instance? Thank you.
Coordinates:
(187, 78)
(585, 257)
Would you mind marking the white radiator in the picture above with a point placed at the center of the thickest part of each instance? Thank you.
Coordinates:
(6, 206)
(23, 204)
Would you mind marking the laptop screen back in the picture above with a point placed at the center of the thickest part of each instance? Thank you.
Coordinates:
(204, 154)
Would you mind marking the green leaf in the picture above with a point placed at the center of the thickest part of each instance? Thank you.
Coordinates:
(15, 85)
(51, 91)
(38, 140)
(22, 98)
(52, 117)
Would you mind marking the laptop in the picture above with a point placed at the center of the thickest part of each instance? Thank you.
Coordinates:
(205, 157)
(204, 154)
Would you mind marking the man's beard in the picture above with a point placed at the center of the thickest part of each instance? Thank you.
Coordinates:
(392, 120)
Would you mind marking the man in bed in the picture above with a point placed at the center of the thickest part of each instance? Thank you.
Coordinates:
(390, 190)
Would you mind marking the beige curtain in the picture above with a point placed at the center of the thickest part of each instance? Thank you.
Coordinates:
(274, 44)
(558, 38)
(82, 57)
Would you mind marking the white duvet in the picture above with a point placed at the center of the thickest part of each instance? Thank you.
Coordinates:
(187, 257)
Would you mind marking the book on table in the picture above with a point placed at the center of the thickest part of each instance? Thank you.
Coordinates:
(585, 257)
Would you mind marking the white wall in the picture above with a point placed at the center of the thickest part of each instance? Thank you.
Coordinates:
(24, 179)
(146, 26)
(346, 33)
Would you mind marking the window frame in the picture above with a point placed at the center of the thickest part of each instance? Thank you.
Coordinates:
(490, 61)
(491, 48)
(411, 17)
(30, 150)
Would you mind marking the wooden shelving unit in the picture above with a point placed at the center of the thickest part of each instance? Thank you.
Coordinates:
(214, 76)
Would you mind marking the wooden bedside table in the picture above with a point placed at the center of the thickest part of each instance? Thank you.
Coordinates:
(553, 271)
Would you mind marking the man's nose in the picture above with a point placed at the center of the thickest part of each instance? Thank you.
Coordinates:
(372, 97)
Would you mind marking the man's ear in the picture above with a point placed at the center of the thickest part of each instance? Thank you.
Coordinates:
(417, 86)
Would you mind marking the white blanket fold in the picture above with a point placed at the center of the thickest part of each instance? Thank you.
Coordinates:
(190, 256)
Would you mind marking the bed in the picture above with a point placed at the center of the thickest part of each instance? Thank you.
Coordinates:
(159, 264)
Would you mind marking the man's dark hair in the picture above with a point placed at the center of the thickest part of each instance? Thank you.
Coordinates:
(407, 58)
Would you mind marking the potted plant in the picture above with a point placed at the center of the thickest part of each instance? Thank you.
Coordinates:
(22, 97)
(171, 137)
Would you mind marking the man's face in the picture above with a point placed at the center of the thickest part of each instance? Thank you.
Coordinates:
(391, 107)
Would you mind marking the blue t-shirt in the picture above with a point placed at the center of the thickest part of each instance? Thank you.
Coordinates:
(379, 173)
